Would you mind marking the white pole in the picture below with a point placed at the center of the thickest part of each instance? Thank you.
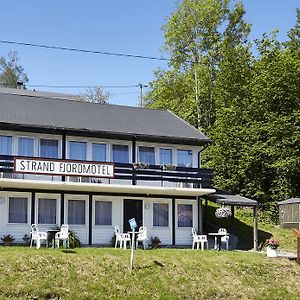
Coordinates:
(132, 248)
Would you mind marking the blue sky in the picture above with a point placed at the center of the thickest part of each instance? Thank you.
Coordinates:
(132, 26)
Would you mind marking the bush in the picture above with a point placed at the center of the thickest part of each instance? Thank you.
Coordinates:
(155, 242)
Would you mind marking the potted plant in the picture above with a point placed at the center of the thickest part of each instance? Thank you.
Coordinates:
(155, 242)
(26, 238)
(7, 239)
(140, 165)
(168, 167)
(271, 247)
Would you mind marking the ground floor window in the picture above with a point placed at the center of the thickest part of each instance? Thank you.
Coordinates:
(185, 215)
(103, 212)
(160, 214)
(47, 211)
(17, 212)
(76, 212)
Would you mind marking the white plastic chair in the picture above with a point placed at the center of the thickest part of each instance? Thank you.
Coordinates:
(121, 238)
(224, 239)
(62, 235)
(199, 240)
(142, 237)
(38, 236)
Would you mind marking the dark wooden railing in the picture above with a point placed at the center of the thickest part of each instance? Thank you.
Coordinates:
(188, 177)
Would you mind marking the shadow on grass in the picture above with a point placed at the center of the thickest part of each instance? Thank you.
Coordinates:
(242, 230)
(69, 251)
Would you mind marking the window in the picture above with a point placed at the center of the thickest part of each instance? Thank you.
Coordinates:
(103, 212)
(120, 153)
(49, 148)
(77, 150)
(185, 158)
(76, 212)
(185, 215)
(99, 152)
(165, 156)
(160, 214)
(47, 211)
(26, 146)
(17, 212)
(5, 145)
(146, 155)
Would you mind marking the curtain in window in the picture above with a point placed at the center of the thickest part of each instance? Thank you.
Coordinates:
(47, 211)
(160, 214)
(146, 155)
(185, 158)
(185, 215)
(26, 146)
(76, 212)
(120, 153)
(165, 156)
(17, 212)
(99, 152)
(5, 145)
(49, 148)
(103, 212)
(77, 150)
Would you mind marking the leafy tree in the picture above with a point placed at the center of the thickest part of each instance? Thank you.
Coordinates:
(95, 95)
(11, 71)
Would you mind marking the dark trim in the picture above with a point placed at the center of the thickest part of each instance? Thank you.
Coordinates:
(95, 193)
(173, 222)
(62, 208)
(105, 134)
(232, 222)
(63, 150)
(133, 158)
(32, 207)
(90, 219)
(199, 204)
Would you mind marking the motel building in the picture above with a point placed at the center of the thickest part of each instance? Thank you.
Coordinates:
(95, 166)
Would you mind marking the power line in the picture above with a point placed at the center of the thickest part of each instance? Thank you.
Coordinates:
(83, 50)
(80, 86)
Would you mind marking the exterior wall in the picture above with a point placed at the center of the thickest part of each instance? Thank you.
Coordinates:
(289, 215)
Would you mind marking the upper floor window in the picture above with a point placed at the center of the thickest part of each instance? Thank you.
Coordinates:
(146, 155)
(5, 145)
(77, 150)
(99, 152)
(26, 146)
(185, 158)
(120, 153)
(49, 148)
(165, 156)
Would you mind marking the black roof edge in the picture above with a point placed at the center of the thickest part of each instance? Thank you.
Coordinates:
(103, 134)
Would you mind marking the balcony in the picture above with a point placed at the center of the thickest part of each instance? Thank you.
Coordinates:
(132, 174)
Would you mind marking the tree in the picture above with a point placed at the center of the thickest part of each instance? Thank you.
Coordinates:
(95, 95)
(11, 71)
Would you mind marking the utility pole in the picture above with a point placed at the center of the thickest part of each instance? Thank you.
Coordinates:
(141, 86)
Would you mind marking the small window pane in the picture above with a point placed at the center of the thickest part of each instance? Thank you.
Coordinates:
(165, 156)
(185, 215)
(185, 158)
(17, 210)
(160, 214)
(76, 212)
(47, 211)
(77, 150)
(103, 212)
(49, 148)
(5, 145)
(26, 146)
(120, 153)
(99, 152)
(146, 155)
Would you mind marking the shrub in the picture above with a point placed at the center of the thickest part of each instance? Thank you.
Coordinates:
(155, 242)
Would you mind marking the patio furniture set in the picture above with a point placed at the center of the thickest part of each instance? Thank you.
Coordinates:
(125, 238)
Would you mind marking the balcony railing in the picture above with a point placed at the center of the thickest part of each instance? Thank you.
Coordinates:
(161, 175)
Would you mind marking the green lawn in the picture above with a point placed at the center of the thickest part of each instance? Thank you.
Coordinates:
(102, 273)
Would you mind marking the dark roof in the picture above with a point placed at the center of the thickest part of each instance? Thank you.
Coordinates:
(226, 198)
(28, 109)
(289, 201)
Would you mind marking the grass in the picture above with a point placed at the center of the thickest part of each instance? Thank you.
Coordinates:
(94, 273)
